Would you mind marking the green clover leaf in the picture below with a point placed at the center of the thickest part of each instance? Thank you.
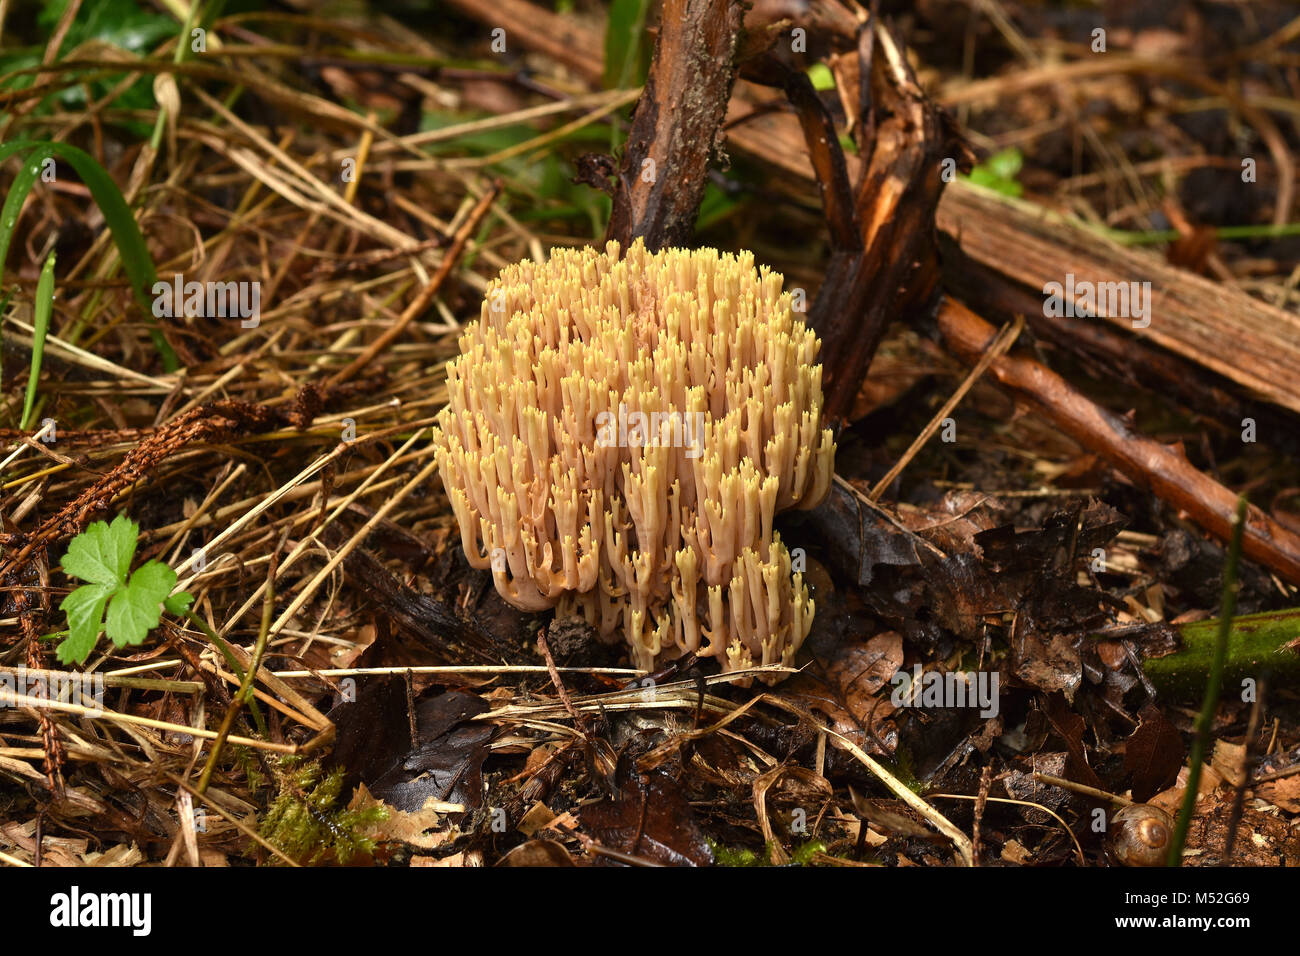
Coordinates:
(85, 610)
(135, 609)
(102, 553)
(179, 603)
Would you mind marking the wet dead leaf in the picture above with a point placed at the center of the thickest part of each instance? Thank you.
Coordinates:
(1153, 754)
(538, 853)
(649, 818)
(1284, 793)
(1070, 727)
(374, 744)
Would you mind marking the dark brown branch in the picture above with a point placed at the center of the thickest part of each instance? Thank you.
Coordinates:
(1108, 352)
(884, 261)
(897, 274)
(676, 127)
(824, 150)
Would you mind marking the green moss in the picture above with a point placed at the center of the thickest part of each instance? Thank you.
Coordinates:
(802, 855)
(247, 762)
(1258, 645)
(901, 768)
(305, 822)
(734, 856)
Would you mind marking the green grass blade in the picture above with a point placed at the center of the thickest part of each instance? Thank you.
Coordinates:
(22, 185)
(41, 326)
(1213, 684)
(130, 241)
(625, 61)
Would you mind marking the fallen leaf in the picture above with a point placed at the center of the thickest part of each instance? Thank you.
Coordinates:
(649, 818)
(1283, 793)
(1230, 760)
(1070, 727)
(538, 853)
(1153, 754)
(398, 826)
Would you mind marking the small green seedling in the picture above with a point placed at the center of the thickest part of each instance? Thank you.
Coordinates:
(101, 556)
(999, 172)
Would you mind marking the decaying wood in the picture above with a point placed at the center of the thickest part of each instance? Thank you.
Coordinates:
(1112, 354)
(903, 138)
(1246, 341)
(675, 126)
(1241, 338)
(443, 632)
(1162, 469)
(884, 263)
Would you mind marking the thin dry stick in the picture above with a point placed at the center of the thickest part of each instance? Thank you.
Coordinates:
(622, 98)
(66, 350)
(1023, 803)
(23, 445)
(1084, 789)
(421, 301)
(110, 679)
(428, 137)
(555, 676)
(457, 669)
(39, 703)
(671, 694)
(936, 819)
(1164, 470)
(1007, 336)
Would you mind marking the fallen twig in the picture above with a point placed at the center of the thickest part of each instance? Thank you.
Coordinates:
(1164, 470)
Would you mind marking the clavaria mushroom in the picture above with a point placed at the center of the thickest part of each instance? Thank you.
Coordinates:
(619, 435)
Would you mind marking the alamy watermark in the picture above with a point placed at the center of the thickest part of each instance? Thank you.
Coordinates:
(1082, 299)
(75, 909)
(922, 688)
(209, 300)
(670, 429)
(83, 690)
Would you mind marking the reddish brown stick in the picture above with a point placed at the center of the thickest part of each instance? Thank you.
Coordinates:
(1162, 469)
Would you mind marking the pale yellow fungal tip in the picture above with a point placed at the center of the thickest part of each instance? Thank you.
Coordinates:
(620, 433)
